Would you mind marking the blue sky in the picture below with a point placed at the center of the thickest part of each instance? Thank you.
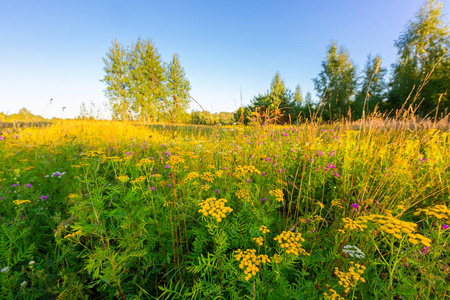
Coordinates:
(54, 49)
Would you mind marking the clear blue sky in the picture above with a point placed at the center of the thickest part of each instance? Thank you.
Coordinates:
(54, 49)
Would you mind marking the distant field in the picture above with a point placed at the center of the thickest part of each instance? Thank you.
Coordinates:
(102, 209)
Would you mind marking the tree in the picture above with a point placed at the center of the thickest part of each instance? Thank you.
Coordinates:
(372, 90)
(422, 73)
(298, 98)
(117, 82)
(147, 80)
(140, 86)
(178, 89)
(336, 83)
(274, 105)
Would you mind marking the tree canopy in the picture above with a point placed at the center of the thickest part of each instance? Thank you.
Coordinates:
(140, 86)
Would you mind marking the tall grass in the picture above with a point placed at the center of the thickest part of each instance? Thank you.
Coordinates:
(122, 210)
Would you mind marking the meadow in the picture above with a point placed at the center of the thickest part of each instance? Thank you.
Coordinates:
(116, 210)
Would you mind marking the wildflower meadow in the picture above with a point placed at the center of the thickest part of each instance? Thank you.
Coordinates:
(118, 210)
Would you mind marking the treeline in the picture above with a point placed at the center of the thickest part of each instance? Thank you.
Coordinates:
(140, 87)
(24, 115)
(419, 83)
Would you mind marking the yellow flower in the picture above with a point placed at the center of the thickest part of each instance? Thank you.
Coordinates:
(18, 202)
(214, 208)
(124, 178)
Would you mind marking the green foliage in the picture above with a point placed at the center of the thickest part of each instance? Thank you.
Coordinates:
(336, 83)
(141, 87)
(372, 90)
(421, 74)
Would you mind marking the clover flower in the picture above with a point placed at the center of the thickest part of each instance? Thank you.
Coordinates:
(28, 185)
(43, 197)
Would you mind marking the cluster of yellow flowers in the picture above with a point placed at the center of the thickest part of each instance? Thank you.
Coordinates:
(214, 208)
(353, 275)
(243, 194)
(167, 203)
(18, 202)
(139, 179)
(124, 178)
(337, 203)
(192, 175)
(264, 229)
(353, 224)
(333, 295)
(92, 153)
(241, 171)
(219, 173)
(205, 187)
(208, 176)
(73, 234)
(250, 261)
(278, 194)
(396, 227)
(175, 159)
(438, 211)
(144, 162)
(259, 240)
(292, 242)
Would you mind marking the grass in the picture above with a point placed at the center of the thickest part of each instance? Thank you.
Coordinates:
(100, 210)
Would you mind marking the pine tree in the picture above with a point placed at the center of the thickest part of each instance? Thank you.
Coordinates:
(422, 73)
(336, 83)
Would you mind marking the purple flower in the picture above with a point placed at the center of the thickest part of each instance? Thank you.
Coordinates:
(28, 185)
(263, 173)
(217, 191)
(249, 180)
(44, 197)
(425, 250)
(336, 174)
(1, 138)
(267, 159)
(444, 227)
(355, 206)
(57, 174)
(319, 153)
(307, 221)
(128, 153)
(14, 185)
(167, 166)
(262, 199)
(152, 188)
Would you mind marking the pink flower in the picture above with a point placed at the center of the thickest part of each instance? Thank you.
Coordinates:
(444, 227)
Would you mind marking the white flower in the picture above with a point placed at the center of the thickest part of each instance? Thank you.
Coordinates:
(353, 251)
(32, 262)
(5, 269)
(23, 284)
